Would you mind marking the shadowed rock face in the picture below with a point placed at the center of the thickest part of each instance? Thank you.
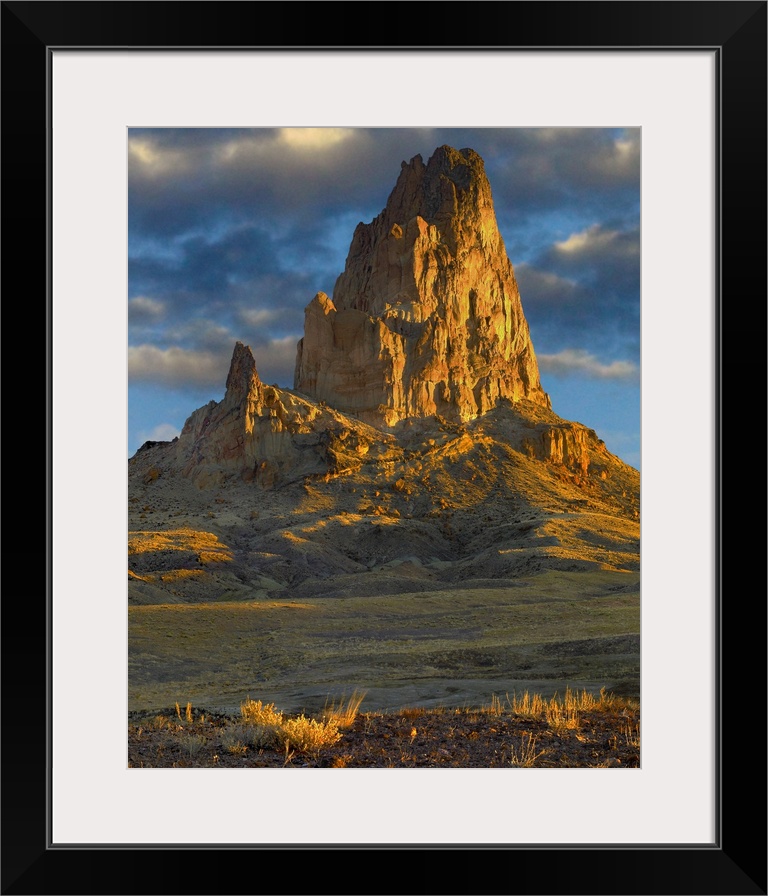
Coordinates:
(426, 317)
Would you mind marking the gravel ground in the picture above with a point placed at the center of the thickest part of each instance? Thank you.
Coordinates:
(410, 738)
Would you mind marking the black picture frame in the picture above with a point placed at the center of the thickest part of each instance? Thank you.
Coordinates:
(736, 862)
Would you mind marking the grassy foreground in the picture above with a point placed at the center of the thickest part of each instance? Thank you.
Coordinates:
(577, 730)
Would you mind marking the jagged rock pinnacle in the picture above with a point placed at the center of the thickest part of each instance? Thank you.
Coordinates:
(243, 379)
(426, 317)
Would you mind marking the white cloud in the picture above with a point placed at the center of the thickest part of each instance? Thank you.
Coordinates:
(267, 153)
(176, 366)
(145, 308)
(311, 139)
(257, 317)
(163, 432)
(276, 360)
(625, 147)
(577, 361)
(179, 367)
(589, 240)
(626, 156)
(150, 159)
(612, 251)
(143, 151)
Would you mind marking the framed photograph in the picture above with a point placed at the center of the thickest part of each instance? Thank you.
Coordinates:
(691, 79)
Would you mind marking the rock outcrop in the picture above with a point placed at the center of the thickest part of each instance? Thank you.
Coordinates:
(267, 435)
(426, 318)
(425, 329)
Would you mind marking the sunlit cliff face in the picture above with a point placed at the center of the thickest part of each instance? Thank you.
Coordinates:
(426, 317)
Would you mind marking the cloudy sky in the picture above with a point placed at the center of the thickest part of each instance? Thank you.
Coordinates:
(232, 232)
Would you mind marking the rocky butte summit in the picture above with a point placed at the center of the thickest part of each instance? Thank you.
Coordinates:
(426, 317)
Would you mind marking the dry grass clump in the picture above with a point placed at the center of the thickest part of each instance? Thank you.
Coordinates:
(527, 754)
(573, 702)
(234, 739)
(344, 713)
(342, 761)
(632, 734)
(159, 722)
(265, 727)
(526, 706)
(254, 712)
(602, 703)
(262, 724)
(193, 744)
(564, 713)
(562, 717)
(308, 735)
(187, 714)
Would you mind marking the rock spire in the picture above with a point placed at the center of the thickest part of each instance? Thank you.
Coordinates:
(426, 317)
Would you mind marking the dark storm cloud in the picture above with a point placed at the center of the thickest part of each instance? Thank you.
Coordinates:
(578, 173)
(599, 254)
(182, 179)
(298, 175)
(546, 165)
(205, 262)
(287, 193)
(556, 181)
(216, 291)
(602, 261)
(585, 290)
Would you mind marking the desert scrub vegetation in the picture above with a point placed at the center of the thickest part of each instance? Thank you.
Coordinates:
(575, 730)
(561, 713)
(525, 754)
(308, 735)
(343, 712)
(267, 727)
